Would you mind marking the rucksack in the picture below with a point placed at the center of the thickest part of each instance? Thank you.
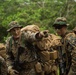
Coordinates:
(32, 28)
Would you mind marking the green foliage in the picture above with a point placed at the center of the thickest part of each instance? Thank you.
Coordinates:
(40, 12)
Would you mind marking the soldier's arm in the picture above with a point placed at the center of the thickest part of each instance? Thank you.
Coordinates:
(35, 36)
(71, 41)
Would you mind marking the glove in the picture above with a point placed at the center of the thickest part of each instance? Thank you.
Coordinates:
(13, 72)
(45, 33)
(42, 34)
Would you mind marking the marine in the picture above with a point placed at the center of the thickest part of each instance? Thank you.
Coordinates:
(60, 25)
(46, 52)
(19, 58)
(73, 54)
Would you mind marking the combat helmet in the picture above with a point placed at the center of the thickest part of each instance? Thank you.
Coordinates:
(74, 29)
(60, 21)
(13, 24)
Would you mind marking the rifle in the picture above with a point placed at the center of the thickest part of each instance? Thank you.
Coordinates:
(17, 64)
(61, 62)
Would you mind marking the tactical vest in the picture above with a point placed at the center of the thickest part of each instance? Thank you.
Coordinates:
(27, 55)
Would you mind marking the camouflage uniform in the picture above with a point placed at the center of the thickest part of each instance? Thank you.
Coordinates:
(45, 65)
(27, 57)
(3, 67)
(66, 47)
(73, 54)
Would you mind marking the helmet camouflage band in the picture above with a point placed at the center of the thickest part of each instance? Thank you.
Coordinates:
(60, 21)
(14, 24)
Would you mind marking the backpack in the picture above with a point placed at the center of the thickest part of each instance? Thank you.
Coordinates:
(32, 28)
(48, 42)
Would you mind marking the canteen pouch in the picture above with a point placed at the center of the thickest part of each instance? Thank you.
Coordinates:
(38, 67)
(53, 55)
(45, 56)
(47, 67)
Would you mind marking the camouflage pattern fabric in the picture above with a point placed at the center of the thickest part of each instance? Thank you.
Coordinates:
(60, 21)
(44, 48)
(73, 54)
(51, 41)
(27, 56)
(66, 50)
(13, 24)
(32, 28)
(29, 70)
(3, 67)
(50, 68)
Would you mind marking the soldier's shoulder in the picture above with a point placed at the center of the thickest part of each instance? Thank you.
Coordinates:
(8, 39)
(70, 34)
